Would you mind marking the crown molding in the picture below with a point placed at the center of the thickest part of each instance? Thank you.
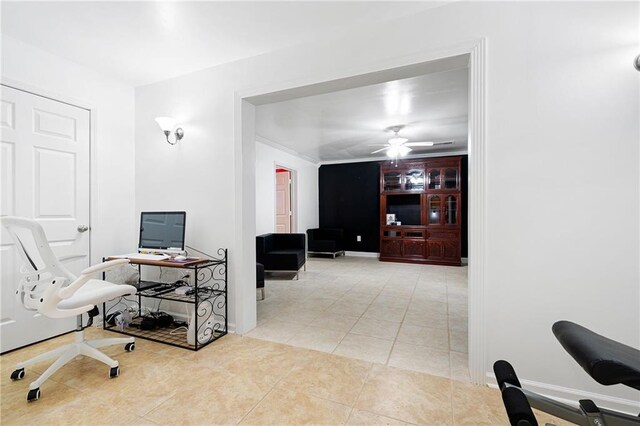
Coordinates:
(408, 157)
(283, 148)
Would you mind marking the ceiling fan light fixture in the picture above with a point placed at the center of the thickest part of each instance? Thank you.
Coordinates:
(392, 152)
(403, 150)
(397, 141)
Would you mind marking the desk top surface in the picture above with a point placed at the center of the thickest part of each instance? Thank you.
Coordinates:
(190, 261)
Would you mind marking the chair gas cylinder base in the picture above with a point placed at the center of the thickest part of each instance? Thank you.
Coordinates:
(53, 291)
(67, 353)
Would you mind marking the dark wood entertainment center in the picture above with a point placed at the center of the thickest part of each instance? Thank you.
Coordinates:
(425, 197)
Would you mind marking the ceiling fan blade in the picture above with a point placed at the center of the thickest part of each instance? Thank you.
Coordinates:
(429, 143)
(379, 150)
(419, 144)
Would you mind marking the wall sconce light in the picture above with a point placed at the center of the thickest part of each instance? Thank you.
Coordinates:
(636, 62)
(167, 124)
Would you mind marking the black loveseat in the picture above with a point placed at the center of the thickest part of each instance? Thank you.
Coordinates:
(281, 252)
(326, 241)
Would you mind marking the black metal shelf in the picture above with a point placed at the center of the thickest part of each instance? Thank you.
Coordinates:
(164, 335)
(170, 294)
(209, 299)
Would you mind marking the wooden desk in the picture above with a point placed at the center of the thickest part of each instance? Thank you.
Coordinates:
(169, 263)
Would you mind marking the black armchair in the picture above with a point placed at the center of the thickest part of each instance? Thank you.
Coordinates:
(326, 241)
(281, 252)
(260, 278)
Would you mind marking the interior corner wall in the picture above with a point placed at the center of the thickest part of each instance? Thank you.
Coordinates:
(114, 225)
(305, 189)
(562, 135)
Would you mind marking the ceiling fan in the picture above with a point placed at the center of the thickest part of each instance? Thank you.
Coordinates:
(399, 147)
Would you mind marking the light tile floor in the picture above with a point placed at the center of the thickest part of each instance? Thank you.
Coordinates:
(402, 315)
(239, 380)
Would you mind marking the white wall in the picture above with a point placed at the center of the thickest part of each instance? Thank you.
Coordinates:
(562, 152)
(306, 189)
(113, 223)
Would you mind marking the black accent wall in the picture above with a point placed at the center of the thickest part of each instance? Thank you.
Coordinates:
(349, 198)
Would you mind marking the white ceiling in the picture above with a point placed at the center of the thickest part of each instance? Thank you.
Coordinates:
(350, 124)
(141, 42)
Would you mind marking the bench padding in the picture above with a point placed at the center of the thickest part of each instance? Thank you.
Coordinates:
(607, 361)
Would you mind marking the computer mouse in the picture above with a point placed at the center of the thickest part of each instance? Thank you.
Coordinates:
(180, 257)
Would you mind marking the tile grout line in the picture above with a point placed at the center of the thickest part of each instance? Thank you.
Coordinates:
(393, 345)
(364, 382)
(354, 324)
(254, 407)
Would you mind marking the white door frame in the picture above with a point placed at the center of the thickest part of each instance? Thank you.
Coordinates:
(294, 193)
(93, 189)
(244, 159)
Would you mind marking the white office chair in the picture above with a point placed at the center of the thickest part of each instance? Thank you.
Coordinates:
(49, 288)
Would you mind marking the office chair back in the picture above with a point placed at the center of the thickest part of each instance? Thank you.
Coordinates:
(42, 273)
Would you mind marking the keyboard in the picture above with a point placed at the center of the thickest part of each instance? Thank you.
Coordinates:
(147, 256)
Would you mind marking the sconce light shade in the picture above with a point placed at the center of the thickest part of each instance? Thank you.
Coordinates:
(167, 124)
(636, 63)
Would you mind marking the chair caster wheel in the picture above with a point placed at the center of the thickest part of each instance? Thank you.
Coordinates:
(114, 372)
(129, 347)
(33, 395)
(18, 374)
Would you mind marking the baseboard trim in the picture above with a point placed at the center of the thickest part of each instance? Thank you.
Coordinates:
(571, 396)
(361, 254)
(39, 341)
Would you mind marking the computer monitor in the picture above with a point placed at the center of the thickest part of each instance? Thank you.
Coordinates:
(162, 231)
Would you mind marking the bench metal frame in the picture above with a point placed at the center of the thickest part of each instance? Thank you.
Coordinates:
(577, 415)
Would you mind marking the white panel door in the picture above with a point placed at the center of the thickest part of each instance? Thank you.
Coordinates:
(283, 202)
(44, 155)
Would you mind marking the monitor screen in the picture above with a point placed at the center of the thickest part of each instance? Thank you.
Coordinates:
(162, 230)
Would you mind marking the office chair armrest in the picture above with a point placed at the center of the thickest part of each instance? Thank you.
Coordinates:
(85, 276)
(104, 266)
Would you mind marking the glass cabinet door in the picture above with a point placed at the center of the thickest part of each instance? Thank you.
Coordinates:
(451, 178)
(414, 180)
(392, 181)
(434, 179)
(435, 209)
(451, 210)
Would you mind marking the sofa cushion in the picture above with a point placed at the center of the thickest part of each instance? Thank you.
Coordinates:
(281, 252)
(284, 260)
(327, 246)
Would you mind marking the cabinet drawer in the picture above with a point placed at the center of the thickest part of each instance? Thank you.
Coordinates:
(392, 233)
(443, 234)
(414, 233)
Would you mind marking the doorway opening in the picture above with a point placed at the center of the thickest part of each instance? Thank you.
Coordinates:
(394, 69)
(284, 193)
(408, 295)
